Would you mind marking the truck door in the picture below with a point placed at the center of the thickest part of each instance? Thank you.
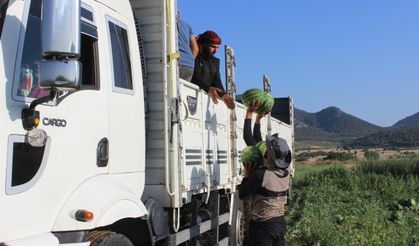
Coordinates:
(126, 102)
(39, 180)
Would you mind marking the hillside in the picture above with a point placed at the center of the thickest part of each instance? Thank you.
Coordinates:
(335, 127)
(391, 137)
(330, 124)
(408, 121)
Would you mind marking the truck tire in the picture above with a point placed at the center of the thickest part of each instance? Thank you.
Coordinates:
(108, 238)
(237, 223)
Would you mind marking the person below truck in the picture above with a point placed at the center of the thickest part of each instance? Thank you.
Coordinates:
(256, 137)
(207, 68)
(267, 186)
(252, 139)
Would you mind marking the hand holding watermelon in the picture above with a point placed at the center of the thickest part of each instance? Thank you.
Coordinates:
(254, 106)
(251, 158)
(259, 116)
(248, 169)
(265, 100)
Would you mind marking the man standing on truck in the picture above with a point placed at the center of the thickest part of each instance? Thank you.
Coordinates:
(188, 49)
(268, 188)
(207, 68)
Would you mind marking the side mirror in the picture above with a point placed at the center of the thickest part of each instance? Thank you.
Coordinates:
(61, 74)
(60, 69)
(61, 28)
(60, 32)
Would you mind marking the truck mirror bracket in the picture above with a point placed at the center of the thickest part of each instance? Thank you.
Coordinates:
(30, 116)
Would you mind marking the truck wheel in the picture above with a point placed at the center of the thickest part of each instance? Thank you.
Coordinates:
(237, 223)
(108, 238)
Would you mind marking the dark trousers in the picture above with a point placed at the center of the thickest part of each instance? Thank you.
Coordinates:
(186, 73)
(268, 233)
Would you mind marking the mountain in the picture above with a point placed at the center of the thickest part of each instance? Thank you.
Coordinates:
(390, 137)
(330, 124)
(408, 121)
(333, 126)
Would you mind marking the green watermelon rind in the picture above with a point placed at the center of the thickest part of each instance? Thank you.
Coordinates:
(251, 95)
(262, 147)
(250, 154)
(267, 103)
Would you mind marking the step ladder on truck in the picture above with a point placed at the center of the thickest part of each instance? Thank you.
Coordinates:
(102, 143)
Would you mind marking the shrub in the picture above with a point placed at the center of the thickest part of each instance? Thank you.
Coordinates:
(372, 204)
(394, 167)
(340, 156)
(371, 155)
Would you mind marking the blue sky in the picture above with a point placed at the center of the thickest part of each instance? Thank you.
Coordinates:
(359, 55)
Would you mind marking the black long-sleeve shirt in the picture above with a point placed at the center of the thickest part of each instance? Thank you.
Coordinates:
(207, 73)
(249, 138)
(250, 184)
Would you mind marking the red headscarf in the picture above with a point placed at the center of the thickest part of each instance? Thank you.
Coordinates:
(209, 37)
(206, 39)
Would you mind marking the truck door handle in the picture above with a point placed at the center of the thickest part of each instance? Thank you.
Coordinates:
(102, 153)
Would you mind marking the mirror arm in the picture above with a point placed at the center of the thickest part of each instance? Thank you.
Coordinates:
(36, 102)
(30, 117)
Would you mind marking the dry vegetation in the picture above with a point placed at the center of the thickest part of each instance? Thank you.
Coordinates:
(317, 154)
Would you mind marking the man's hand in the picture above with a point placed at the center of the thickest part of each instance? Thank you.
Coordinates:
(213, 91)
(228, 100)
(259, 116)
(252, 108)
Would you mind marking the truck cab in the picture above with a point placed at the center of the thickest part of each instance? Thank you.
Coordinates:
(106, 115)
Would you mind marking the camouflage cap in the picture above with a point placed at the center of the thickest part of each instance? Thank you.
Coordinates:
(279, 148)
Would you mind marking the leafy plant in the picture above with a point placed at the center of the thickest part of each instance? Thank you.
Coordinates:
(340, 156)
(371, 155)
(374, 203)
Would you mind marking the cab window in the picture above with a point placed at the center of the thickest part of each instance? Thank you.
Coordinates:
(121, 62)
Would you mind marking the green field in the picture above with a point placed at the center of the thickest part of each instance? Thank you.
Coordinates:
(373, 203)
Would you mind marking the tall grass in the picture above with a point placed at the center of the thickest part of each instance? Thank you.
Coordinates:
(394, 167)
(374, 203)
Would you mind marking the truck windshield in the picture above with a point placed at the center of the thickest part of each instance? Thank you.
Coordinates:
(28, 83)
(3, 8)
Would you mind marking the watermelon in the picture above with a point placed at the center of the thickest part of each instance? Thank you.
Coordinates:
(267, 103)
(251, 95)
(262, 147)
(265, 99)
(251, 154)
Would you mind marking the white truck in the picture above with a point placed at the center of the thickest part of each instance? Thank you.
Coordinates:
(101, 142)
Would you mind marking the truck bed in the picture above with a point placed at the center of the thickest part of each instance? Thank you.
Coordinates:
(205, 156)
(189, 139)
